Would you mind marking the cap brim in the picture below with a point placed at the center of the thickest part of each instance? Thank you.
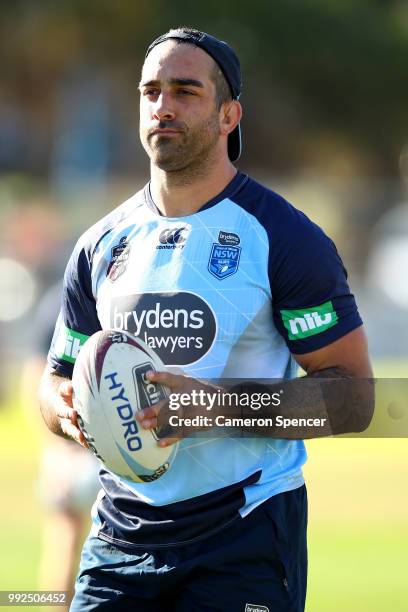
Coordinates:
(235, 144)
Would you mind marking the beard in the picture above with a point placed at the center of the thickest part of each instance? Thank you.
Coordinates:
(189, 151)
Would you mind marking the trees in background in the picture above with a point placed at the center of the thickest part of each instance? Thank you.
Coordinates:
(321, 78)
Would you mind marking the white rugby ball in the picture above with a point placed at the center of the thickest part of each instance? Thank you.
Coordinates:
(110, 386)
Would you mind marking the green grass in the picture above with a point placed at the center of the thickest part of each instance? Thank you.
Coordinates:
(357, 568)
(358, 531)
(358, 507)
(20, 512)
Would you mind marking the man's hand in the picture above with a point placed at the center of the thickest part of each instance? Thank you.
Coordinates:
(55, 396)
(149, 418)
(68, 416)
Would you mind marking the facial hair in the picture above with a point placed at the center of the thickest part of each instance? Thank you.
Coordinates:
(189, 154)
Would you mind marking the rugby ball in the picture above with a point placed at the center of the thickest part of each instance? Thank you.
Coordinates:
(109, 387)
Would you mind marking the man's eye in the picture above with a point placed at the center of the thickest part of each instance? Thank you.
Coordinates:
(150, 92)
(186, 92)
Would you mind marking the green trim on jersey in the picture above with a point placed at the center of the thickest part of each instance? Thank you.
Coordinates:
(306, 322)
(69, 344)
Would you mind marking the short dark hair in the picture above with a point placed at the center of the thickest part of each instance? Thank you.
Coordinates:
(222, 89)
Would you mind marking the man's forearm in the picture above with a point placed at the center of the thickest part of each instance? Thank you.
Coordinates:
(48, 397)
(337, 401)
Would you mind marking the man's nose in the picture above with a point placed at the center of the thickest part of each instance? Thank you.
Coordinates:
(163, 109)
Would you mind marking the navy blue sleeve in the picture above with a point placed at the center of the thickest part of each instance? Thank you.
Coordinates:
(312, 303)
(78, 317)
(311, 300)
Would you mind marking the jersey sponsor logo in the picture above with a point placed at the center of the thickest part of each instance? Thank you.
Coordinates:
(255, 608)
(224, 260)
(307, 322)
(148, 393)
(69, 343)
(228, 238)
(121, 404)
(119, 258)
(172, 238)
(180, 327)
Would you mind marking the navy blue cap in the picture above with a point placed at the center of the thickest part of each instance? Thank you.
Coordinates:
(228, 62)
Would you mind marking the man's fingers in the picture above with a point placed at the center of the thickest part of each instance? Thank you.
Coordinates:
(149, 413)
(65, 412)
(149, 423)
(173, 381)
(65, 390)
(167, 442)
(68, 415)
(69, 424)
(71, 430)
(148, 416)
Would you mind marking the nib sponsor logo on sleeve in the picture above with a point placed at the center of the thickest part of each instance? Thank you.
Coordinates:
(225, 254)
(172, 238)
(307, 322)
(69, 343)
(180, 327)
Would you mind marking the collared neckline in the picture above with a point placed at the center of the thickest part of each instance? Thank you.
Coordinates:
(236, 183)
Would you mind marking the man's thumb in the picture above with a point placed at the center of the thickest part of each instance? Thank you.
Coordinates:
(65, 388)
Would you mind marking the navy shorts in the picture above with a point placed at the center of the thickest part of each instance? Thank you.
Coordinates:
(258, 563)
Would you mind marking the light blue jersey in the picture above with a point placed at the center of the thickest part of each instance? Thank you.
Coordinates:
(228, 292)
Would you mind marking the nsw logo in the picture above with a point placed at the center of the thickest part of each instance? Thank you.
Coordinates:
(255, 608)
(224, 260)
(172, 238)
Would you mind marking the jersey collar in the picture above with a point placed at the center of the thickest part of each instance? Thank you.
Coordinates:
(230, 190)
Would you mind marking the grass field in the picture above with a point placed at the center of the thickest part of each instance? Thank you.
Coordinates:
(358, 527)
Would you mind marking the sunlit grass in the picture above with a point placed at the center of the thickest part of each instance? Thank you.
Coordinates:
(358, 508)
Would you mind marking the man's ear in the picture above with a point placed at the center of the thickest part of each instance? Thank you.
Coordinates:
(230, 116)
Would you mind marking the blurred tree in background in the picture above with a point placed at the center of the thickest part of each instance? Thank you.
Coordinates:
(322, 78)
(325, 97)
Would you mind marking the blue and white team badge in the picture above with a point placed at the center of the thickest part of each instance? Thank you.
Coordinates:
(225, 254)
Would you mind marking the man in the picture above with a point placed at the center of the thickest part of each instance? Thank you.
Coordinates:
(221, 276)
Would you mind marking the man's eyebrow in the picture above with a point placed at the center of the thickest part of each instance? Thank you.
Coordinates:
(182, 82)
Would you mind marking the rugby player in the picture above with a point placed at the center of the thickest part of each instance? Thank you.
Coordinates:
(224, 279)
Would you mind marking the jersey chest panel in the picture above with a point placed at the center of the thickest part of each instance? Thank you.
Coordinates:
(196, 289)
